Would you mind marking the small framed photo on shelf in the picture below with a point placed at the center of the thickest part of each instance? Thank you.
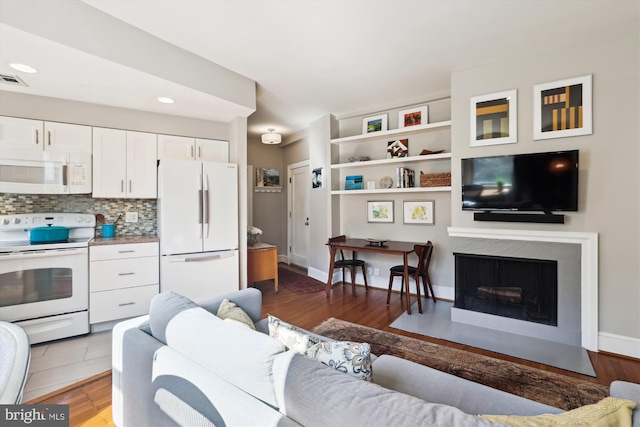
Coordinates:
(374, 124)
(418, 212)
(353, 182)
(562, 108)
(413, 116)
(380, 211)
(494, 118)
(398, 148)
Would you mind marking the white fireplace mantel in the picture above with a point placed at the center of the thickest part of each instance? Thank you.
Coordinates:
(588, 267)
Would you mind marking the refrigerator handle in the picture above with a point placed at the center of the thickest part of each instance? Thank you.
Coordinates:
(200, 208)
(206, 203)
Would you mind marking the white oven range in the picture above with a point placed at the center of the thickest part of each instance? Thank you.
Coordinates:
(44, 287)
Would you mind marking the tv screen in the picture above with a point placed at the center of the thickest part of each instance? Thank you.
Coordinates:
(526, 182)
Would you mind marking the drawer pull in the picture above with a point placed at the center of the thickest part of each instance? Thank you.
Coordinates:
(126, 303)
(126, 274)
(126, 252)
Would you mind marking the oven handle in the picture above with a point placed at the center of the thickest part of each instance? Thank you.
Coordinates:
(45, 253)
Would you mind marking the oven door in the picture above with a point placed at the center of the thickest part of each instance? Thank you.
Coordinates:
(41, 283)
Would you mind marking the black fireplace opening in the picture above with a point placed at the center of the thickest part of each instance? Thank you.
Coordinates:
(519, 288)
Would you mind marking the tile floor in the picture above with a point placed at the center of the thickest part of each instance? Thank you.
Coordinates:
(60, 363)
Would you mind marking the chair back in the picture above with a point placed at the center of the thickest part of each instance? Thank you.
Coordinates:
(424, 257)
(341, 238)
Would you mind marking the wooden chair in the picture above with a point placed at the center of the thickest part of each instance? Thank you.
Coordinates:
(421, 270)
(350, 264)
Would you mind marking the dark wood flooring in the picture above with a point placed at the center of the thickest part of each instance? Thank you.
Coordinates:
(90, 401)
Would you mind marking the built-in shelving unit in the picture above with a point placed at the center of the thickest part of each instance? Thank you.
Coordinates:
(349, 141)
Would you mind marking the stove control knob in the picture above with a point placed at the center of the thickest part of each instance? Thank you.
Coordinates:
(79, 219)
(5, 221)
(16, 220)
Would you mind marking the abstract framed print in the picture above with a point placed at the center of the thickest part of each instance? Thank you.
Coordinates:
(494, 118)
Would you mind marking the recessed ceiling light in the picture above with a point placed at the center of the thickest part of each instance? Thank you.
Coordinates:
(166, 100)
(22, 67)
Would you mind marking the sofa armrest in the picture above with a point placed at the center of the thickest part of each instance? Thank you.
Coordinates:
(439, 387)
(630, 391)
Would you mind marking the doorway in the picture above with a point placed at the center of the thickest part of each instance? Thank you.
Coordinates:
(298, 218)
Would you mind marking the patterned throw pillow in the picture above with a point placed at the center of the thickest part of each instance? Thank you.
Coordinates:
(351, 358)
(229, 311)
(291, 336)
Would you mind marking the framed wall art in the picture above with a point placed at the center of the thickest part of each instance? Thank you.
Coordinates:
(374, 124)
(494, 118)
(418, 212)
(562, 108)
(413, 116)
(316, 178)
(380, 211)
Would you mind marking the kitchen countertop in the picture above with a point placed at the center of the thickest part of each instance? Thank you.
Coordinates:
(126, 239)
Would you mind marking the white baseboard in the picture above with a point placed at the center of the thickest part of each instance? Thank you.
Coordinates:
(618, 344)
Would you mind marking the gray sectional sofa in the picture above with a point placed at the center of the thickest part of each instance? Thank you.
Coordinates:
(183, 365)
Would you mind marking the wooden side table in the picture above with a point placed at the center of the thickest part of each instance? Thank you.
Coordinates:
(262, 263)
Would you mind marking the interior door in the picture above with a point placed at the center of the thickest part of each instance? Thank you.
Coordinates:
(299, 216)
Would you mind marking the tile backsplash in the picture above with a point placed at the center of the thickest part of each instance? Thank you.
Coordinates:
(84, 203)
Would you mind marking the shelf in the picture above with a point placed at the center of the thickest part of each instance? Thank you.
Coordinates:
(391, 190)
(392, 161)
(393, 132)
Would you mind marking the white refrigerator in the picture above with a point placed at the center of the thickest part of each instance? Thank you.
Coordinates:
(198, 228)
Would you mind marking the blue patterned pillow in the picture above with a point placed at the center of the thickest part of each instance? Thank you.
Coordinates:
(344, 356)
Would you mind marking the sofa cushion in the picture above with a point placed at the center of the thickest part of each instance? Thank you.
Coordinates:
(231, 312)
(319, 396)
(609, 412)
(163, 308)
(237, 354)
(291, 336)
(351, 358)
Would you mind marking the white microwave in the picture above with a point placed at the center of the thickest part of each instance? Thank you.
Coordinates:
(46, 173)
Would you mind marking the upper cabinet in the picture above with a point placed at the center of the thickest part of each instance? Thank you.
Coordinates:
(185, 148)
(27, 134)
(124, 164)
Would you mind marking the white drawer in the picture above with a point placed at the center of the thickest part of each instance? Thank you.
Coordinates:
(123, 273)
(129, 250)
(120, 304)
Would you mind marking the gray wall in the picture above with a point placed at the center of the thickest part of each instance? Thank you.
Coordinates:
(609, 197)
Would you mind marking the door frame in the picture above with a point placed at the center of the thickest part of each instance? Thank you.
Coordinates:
(290, 205)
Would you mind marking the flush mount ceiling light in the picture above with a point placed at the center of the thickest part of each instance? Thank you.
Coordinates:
(23, 67)
(271, 138)
(166, 100)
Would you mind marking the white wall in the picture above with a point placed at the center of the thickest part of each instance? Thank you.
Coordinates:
(609, 196)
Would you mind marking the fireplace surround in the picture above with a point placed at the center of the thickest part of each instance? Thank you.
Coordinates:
(586, 245)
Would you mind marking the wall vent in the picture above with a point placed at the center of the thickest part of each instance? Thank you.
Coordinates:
(13, 80)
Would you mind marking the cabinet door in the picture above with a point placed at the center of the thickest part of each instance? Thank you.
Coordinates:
(211, 150)
(141, 165)
(23, 134)
(176, 147)
(109, 162)
(67, 138)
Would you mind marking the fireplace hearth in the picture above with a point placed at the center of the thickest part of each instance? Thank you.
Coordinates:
(518, 288)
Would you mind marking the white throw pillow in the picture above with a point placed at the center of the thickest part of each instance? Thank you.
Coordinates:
(291, 336)
(348, 357)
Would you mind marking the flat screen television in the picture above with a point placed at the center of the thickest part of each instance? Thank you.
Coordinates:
(524, 182)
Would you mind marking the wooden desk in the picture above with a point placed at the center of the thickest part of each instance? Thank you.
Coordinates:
(262, 263)
(389, 247)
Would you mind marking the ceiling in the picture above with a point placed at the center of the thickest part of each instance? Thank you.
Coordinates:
(308, 58)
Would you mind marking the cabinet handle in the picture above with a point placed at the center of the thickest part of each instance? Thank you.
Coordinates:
(199, 152)
(126, 252)
(126, 274)
(130, 186)
(49, 136)
(126, 303)
(191, 148)
(37, 136)
(122, 185)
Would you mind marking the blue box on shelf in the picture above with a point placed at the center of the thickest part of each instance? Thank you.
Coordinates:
(353, 182)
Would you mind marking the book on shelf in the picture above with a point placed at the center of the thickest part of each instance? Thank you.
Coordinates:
(405, 178)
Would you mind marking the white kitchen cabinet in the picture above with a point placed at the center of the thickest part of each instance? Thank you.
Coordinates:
(124, 164)
(27, 134)
(123, 278)
(185, 148)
